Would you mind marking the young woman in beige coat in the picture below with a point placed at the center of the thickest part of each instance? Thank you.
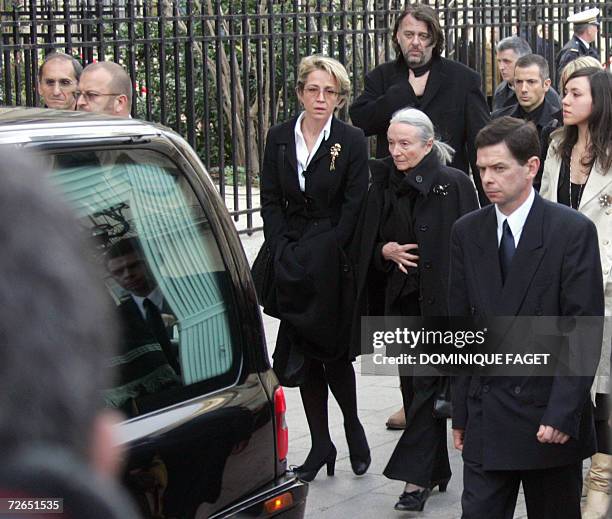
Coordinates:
(578, 173)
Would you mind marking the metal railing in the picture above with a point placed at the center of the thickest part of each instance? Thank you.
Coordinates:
(221, 72)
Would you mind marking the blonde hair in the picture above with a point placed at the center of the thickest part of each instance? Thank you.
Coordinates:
(573, 66)
(420, 121)
(333, 67)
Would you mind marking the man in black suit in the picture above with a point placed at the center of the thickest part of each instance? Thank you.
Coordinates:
(148, 362)
(448, 92)
(522, 256)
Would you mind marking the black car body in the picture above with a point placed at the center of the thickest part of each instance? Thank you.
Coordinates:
(207, 438)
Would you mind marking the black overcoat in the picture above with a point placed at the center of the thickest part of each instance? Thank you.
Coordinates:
(453, 100)
(309, 234)
(556, 271)
(445, 194)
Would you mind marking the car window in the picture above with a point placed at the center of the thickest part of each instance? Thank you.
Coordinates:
(165, 274)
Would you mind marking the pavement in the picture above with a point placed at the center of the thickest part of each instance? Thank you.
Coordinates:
(371, 495)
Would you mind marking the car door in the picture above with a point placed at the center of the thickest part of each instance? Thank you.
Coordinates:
(199, 427)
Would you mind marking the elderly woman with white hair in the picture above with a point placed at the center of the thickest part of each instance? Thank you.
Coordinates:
(403, 265)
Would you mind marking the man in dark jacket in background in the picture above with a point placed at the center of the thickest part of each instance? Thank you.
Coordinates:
(532, 84)
(448, 92)
(581, 43)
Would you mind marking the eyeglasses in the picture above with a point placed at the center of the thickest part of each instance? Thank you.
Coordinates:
(424, 37)
(315, 91)
(91, 96)
(64, 84)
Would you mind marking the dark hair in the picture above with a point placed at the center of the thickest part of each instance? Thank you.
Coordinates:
(599, 122)
(519, 45)
(120, 79)
(57, 329)
(534, 59)
(123, 247)
(425, 14)
(519, 136)
(76, 66)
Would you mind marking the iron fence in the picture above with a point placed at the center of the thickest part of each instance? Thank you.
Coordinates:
(221, 72)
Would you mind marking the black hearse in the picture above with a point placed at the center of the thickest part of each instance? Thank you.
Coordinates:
(205, 431)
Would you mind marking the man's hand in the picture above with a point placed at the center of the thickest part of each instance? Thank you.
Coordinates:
(458, 437)
(548, 434)
(398, 254)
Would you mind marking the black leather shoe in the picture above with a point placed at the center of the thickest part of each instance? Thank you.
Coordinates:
(307, 472)
(413, 501)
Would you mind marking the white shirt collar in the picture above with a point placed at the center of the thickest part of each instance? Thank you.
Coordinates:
(586, 43)
(156, 297)
(301, 150)
(516, 220)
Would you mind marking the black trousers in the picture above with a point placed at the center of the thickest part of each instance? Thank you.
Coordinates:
(339, 376)
(421, 455)
(549, 493)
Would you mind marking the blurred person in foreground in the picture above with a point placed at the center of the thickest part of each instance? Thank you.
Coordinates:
(578, 174)
(404, 234)
(57, 330)
(58, 77)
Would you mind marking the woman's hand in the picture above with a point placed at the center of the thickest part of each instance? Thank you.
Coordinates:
(400, 255)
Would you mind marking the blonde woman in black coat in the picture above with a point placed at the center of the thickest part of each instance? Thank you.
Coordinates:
(313, 184)
(404, 260)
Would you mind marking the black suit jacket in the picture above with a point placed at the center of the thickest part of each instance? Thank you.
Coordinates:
(453, 100)
(556, 271)
(309, 234)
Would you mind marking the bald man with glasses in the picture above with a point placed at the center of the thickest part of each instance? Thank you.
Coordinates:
(105, 87)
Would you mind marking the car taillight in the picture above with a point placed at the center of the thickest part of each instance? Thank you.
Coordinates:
(282, 433)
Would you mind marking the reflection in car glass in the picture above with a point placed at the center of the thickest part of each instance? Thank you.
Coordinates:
(165, 272)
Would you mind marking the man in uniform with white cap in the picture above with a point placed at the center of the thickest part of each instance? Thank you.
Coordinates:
(585, 33)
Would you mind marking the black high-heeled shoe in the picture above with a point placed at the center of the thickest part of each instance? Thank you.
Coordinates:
(359, 451)
(306, 473)
(413, 501)
(441, 484)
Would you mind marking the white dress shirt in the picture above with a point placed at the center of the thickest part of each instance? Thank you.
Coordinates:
(301, 150)
(155, 297)
(516, 220)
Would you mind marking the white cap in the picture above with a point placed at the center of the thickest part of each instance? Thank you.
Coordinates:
(588, 16)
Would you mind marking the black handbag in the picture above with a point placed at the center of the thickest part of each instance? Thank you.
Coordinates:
(443, 407)
(263, 273)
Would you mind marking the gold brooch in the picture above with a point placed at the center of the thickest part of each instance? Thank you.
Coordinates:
(605, 200)
(334, 152)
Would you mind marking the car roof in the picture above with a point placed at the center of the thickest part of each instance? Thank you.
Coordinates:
(22, 125)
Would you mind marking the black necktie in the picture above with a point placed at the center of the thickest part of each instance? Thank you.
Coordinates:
(157, 326)
(506, 250)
